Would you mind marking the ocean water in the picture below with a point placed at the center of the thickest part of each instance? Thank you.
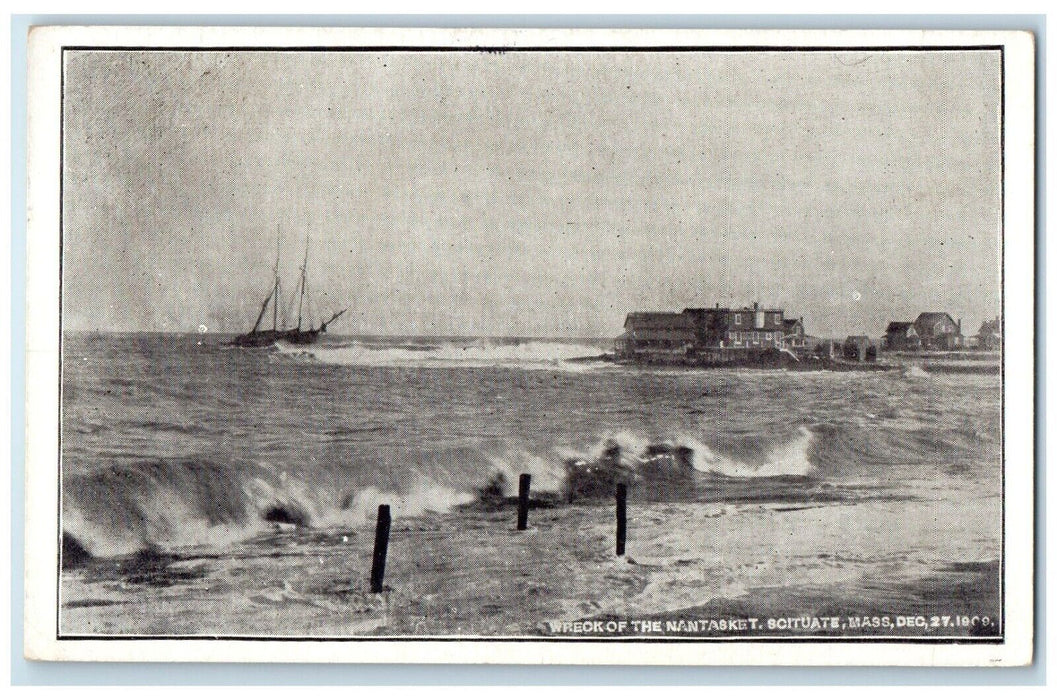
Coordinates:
(172, 442)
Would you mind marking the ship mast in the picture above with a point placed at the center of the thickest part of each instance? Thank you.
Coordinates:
(260, 316)
(275, 290)
(304, 268)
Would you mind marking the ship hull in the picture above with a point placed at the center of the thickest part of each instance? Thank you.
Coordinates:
(261, 339)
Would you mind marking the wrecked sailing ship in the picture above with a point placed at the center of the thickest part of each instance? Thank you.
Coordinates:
(257, 337)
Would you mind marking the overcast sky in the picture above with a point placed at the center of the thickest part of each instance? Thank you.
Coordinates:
(530, 193)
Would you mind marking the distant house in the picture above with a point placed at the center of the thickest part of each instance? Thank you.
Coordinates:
(938, 331)
(656, 331)
(860, 349)
(901, 335)
(990, 335)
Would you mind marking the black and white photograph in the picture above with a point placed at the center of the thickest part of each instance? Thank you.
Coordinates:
(632, 344)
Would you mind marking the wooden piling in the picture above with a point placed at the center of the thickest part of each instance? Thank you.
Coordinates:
(622, 518)
(381, 547)
(523, 500)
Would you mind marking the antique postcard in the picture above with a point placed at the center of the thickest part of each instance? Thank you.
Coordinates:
(530, 346)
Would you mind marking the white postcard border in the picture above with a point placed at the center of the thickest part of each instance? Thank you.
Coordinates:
(43, 390)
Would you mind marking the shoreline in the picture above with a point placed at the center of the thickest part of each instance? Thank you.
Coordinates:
(935, 364)
(472, 573)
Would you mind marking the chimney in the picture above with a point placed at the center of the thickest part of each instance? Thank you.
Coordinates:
(755, 306)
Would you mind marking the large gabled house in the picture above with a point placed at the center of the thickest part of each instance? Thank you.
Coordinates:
(710, 329)
(938, 331)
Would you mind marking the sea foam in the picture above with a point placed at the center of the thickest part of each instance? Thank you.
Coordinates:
(526, 355)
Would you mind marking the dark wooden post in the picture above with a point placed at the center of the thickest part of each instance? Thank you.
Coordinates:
(622, 518)
(522, 500)
(381, 546)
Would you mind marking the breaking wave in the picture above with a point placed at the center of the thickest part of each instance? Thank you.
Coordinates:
(792, 458)
(166, 503)
(169, 446)
(526, 355)
(169, 504)
(641, 455)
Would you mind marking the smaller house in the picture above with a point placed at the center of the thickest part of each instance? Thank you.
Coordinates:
(990, 335)
(938, 331)
(901, 335)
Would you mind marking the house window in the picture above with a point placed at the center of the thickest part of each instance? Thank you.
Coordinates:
(737, 319)
(755, 335)
(768, 336)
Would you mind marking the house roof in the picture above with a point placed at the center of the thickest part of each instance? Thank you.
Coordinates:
(688, 319)
(931, 318)
(658, 320)
(706, 309)
(727, 309)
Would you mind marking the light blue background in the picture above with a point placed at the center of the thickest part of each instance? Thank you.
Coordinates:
(41, 673)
